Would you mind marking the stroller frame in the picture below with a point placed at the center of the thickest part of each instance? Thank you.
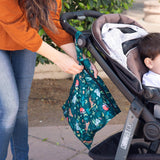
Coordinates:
(137, 108)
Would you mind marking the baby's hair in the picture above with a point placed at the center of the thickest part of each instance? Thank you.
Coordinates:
(149, 46)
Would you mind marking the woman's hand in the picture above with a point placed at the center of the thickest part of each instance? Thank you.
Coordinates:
(68, 64)
(94, 69)
(65, 62)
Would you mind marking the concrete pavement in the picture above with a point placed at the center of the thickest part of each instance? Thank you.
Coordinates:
(59, 142)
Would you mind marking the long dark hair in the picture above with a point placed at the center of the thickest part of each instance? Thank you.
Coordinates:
(37, 12)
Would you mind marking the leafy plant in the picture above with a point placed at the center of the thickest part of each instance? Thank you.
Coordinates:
(103, 6)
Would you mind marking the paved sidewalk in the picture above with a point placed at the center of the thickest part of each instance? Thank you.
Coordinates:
(59, 142)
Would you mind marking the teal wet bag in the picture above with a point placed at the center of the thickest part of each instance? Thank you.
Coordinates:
(90, 105)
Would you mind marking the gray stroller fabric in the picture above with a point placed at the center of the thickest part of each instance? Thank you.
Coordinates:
(132, 74)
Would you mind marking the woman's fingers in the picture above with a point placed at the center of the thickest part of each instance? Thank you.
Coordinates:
(95, 70)
(74, 69)
(69, 65)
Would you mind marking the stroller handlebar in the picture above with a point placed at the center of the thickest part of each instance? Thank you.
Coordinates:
(76, 15)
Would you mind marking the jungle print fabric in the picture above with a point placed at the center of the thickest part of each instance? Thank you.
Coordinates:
(90, 105)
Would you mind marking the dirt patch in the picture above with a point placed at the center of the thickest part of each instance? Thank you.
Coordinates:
(48, 95)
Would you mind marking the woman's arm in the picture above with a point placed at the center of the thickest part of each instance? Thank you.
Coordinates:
(65, 62)
(70, 49)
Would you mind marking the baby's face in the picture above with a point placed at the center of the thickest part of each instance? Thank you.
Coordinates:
(156, 64)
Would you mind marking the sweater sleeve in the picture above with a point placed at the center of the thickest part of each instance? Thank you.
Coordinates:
(60, 37)
(16, 26)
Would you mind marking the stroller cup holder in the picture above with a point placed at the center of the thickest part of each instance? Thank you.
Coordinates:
(140, 138)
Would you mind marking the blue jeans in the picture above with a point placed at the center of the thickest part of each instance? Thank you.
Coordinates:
(16, 74)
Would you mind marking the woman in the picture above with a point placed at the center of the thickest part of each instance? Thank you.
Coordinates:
(19, 42)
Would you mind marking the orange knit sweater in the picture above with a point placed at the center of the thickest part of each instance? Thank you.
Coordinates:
(15, 34)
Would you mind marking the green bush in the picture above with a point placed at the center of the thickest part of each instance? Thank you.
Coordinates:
(103, 6)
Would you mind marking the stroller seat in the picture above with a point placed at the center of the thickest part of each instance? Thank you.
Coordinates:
(132, 75)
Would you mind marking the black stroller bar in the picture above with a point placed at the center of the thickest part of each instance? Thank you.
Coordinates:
(109, 72)
(76, 15)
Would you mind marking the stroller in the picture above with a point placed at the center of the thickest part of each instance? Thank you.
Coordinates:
(140, 137)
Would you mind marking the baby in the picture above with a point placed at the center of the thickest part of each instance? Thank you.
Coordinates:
(149, 49)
